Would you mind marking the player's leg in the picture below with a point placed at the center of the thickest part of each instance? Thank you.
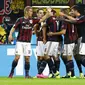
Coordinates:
(82, 56)
(77, 58)
(18, 51)
(40, 54)
(70, 59)
(41, 69)
(55, 64)
(83, 60)
(51, 66)
(70, 65)
(27, 66)
(14, 64)
(82, 53)
(39, 61)
(56, 58)
(67, 58)
(47, 59)
(27, 53)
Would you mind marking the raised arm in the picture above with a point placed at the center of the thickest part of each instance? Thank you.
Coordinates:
(71, 19)
(47, 15)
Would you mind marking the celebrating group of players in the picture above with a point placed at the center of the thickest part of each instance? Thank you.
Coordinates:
(49, 29)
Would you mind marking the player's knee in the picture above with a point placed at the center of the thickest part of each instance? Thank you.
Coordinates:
(46, 57)
(69, 58)
(64, 57)
(77, 57)
(56, 58)
(17, 58)
(27, 58)
(40, 57)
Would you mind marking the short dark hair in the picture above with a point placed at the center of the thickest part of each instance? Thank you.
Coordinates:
(53, 11)
(76, 7)
(79, 8)
(39, 9)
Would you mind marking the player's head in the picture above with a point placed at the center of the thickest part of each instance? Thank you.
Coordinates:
(28, 11)
(72, 14)
(53, 12)
(40, 13)
(76, 10)
(48, 9)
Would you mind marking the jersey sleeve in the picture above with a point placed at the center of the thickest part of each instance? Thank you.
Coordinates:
(80, 20)
(16, 23)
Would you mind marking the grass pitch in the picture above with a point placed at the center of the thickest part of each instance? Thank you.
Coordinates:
(23, 81)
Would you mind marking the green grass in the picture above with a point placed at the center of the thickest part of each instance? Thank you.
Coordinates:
(23, 81)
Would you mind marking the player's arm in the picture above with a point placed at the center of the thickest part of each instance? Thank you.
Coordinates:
(74, 20)
(47, 15)
(63, 31)
(36, 26)
(44, 17)
(71, 19)
(10, 38)
(38, 21)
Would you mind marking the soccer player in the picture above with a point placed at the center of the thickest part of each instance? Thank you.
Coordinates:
(39, 34)
(68, 43)
(79, 22)
(23, 45)
(51, 49)
(70, 37)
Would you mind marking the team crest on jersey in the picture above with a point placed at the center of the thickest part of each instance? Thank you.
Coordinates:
(30, 21)
(23, 22)
(54, 18)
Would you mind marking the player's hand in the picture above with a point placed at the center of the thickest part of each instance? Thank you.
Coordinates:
(50, 34)
(44, 41)
(48, 9)
(10, 38)
(49, 13)
(61, 13)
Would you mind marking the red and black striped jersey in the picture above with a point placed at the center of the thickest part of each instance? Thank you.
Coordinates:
(53, 27)
(80, 25)
(24, 27)
(71, 32)
(40, 34)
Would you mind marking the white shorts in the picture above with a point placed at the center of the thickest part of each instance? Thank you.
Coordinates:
(79, 47)
(40, 49)
(51, 48)
(68, 49)
(82, 49)
(23, 48)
